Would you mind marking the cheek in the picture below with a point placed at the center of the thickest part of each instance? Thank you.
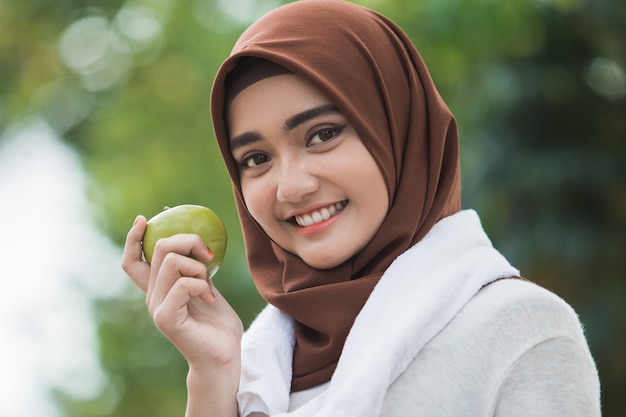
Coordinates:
(257, 198)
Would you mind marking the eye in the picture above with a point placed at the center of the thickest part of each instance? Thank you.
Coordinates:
(324, 135)
(254, 160)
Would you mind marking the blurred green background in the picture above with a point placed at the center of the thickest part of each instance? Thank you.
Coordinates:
(538, 88)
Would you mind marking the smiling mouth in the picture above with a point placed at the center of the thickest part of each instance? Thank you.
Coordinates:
(320, 215)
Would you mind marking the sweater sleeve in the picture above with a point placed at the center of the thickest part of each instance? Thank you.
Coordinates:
(553, 378)
(515, 350)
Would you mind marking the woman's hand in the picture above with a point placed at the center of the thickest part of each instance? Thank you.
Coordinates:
(183, 304)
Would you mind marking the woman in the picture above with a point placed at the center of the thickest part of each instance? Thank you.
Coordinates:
(385, 298)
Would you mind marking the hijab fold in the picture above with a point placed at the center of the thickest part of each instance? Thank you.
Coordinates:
(372, 72)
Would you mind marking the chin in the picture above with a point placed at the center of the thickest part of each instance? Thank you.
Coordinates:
(323, 263)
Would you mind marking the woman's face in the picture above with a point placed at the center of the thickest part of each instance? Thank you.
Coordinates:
(306, 177)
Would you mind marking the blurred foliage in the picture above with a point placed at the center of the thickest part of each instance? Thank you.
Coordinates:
(538, 88)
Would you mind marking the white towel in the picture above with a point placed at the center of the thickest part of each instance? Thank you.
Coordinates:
(419, 294)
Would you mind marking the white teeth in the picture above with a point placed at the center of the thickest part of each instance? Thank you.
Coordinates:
(317, 216)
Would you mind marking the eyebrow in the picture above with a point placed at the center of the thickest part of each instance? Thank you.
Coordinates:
(298, 119)
(243, 140)
(290, 124)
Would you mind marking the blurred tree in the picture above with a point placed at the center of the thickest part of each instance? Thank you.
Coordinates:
(127, 84)
(556, 189)
(539, 89)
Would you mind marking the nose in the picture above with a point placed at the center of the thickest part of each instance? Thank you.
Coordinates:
(295, 181)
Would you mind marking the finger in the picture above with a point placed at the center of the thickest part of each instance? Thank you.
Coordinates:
(132, 263)
(183, 244)
(173, 268)
(171, 313)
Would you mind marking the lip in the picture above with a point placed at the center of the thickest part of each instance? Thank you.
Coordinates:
(319, 226)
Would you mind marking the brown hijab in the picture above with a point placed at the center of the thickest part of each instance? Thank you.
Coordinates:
(369, 68)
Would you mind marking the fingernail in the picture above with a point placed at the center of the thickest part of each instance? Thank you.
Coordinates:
(211, 290)
(208, 249)
(136, 220)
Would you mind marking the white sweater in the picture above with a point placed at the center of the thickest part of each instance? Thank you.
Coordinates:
(433, 340)
(515, 349)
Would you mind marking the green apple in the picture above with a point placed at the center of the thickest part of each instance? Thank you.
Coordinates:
(191, 219)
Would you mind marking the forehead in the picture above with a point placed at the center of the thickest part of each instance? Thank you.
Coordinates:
(271, 98)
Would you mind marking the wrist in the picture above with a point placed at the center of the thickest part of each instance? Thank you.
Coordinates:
(212, 391)
(226, 374)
